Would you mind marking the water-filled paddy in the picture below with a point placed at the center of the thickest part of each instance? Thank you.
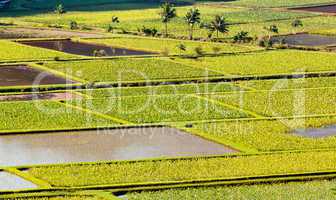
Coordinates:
(40, 96)
(84, 49)
(117, 144)
(305, 39)
(317, 132)
(11, 182)
(22, 75)
(321, 9)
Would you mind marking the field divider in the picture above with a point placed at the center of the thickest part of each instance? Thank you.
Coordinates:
(101, 194)
(27, 176)
(230, 106)
(121, 121)
(225, 181)
(164, 159)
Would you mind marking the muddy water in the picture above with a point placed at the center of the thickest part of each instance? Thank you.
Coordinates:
(321, 9)
(21, 75)
(317, 132)
(11, 182)
(84, 49)
(305, 39)
(118, 144)
(40, 96)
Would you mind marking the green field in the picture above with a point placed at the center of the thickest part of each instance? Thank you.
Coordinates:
(272, 107)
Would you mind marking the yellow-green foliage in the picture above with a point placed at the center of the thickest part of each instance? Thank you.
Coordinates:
(14, 51)
(119, 70)
(178, 170)
(45, 115)
(279, 103)
(268, 135)
(290, 83)
(271, 62)
(294, 191)
(166, 108)
(171, 46)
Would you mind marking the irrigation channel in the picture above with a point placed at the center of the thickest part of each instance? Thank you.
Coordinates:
(84, 49)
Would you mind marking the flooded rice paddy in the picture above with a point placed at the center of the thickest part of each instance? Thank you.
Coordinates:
(12, 182)
(305, 39)
(84, 49)
(317, 132)
(320, 9)
(40, 96)
(22, 75)
(116, 144)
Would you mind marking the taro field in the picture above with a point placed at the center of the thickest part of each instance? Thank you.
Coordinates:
(119, 99)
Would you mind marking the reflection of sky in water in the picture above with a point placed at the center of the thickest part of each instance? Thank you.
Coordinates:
(317, 132)
(118, 144)
(11, 182)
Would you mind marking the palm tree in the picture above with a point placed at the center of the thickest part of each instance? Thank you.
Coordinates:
(220, 25)
(167, 13)
(192, 17)
(59, 9)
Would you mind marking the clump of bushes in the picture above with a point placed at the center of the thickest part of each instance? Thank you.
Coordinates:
(242, 37)
(148, 31)
(73, 25)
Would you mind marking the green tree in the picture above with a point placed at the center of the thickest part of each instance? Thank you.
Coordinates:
(297, 23)
(60, 9)
(192, 17)
(220, 25)
(272, 29)
(115, 20)
(182, 48)
(167, 13)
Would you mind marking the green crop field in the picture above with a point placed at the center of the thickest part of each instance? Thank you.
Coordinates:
(268, 63)
(125, 99)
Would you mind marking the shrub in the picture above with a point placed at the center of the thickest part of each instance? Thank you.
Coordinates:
(199, 51)
(149, 31)
(73, 25)
(242, 37)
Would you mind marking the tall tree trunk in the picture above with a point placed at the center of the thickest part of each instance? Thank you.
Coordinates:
(166, 29)
(191, 32)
